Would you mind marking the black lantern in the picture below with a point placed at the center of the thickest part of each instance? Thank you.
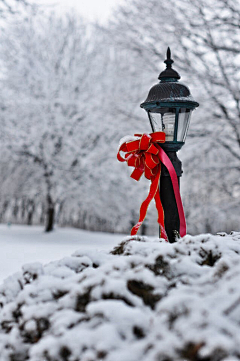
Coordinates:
(169, 106)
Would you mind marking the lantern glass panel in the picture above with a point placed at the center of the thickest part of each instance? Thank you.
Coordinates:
(183, 123)
(163, 120)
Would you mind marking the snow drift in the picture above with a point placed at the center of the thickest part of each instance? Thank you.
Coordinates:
(146, 301)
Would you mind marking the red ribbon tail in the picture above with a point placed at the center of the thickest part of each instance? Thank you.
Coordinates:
(144, 207)
(163, 233)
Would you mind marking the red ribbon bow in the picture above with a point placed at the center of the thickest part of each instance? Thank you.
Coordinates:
(146, 156)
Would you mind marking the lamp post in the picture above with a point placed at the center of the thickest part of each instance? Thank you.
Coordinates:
(169, 105)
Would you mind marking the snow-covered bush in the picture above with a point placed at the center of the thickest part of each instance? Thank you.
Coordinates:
(147, 300)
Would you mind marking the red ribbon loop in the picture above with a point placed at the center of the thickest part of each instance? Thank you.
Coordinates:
(146, 156)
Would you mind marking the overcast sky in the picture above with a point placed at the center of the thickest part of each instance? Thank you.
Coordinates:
(91, 9)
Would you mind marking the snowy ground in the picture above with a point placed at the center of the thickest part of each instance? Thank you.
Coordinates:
(24, 244)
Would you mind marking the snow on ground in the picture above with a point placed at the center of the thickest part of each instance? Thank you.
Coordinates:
(23, 244)
(147, 300)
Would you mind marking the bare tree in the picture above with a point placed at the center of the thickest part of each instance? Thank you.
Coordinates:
(205, 39)
(44, 91)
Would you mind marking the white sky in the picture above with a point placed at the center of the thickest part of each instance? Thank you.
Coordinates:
(90, 9)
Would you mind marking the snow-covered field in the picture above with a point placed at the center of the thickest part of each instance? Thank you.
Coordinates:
(23, 244)
(147, 300)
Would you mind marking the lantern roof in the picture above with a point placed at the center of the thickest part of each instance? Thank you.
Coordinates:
(169, 92)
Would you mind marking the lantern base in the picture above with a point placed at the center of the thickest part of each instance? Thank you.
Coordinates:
(177, 164)
(172, 146)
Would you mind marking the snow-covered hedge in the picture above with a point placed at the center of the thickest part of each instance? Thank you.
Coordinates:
(146, 301)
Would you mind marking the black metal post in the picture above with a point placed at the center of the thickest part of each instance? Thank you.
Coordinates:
(172, 224)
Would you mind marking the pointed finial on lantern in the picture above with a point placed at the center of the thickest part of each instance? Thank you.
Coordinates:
(169, 74)
(168, 61)
(168, 53)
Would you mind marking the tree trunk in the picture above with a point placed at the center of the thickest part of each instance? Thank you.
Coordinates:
(29, 218)
(31, 208)
(50, 215)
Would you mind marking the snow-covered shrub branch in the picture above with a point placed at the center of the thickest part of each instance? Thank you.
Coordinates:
(147, 300)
